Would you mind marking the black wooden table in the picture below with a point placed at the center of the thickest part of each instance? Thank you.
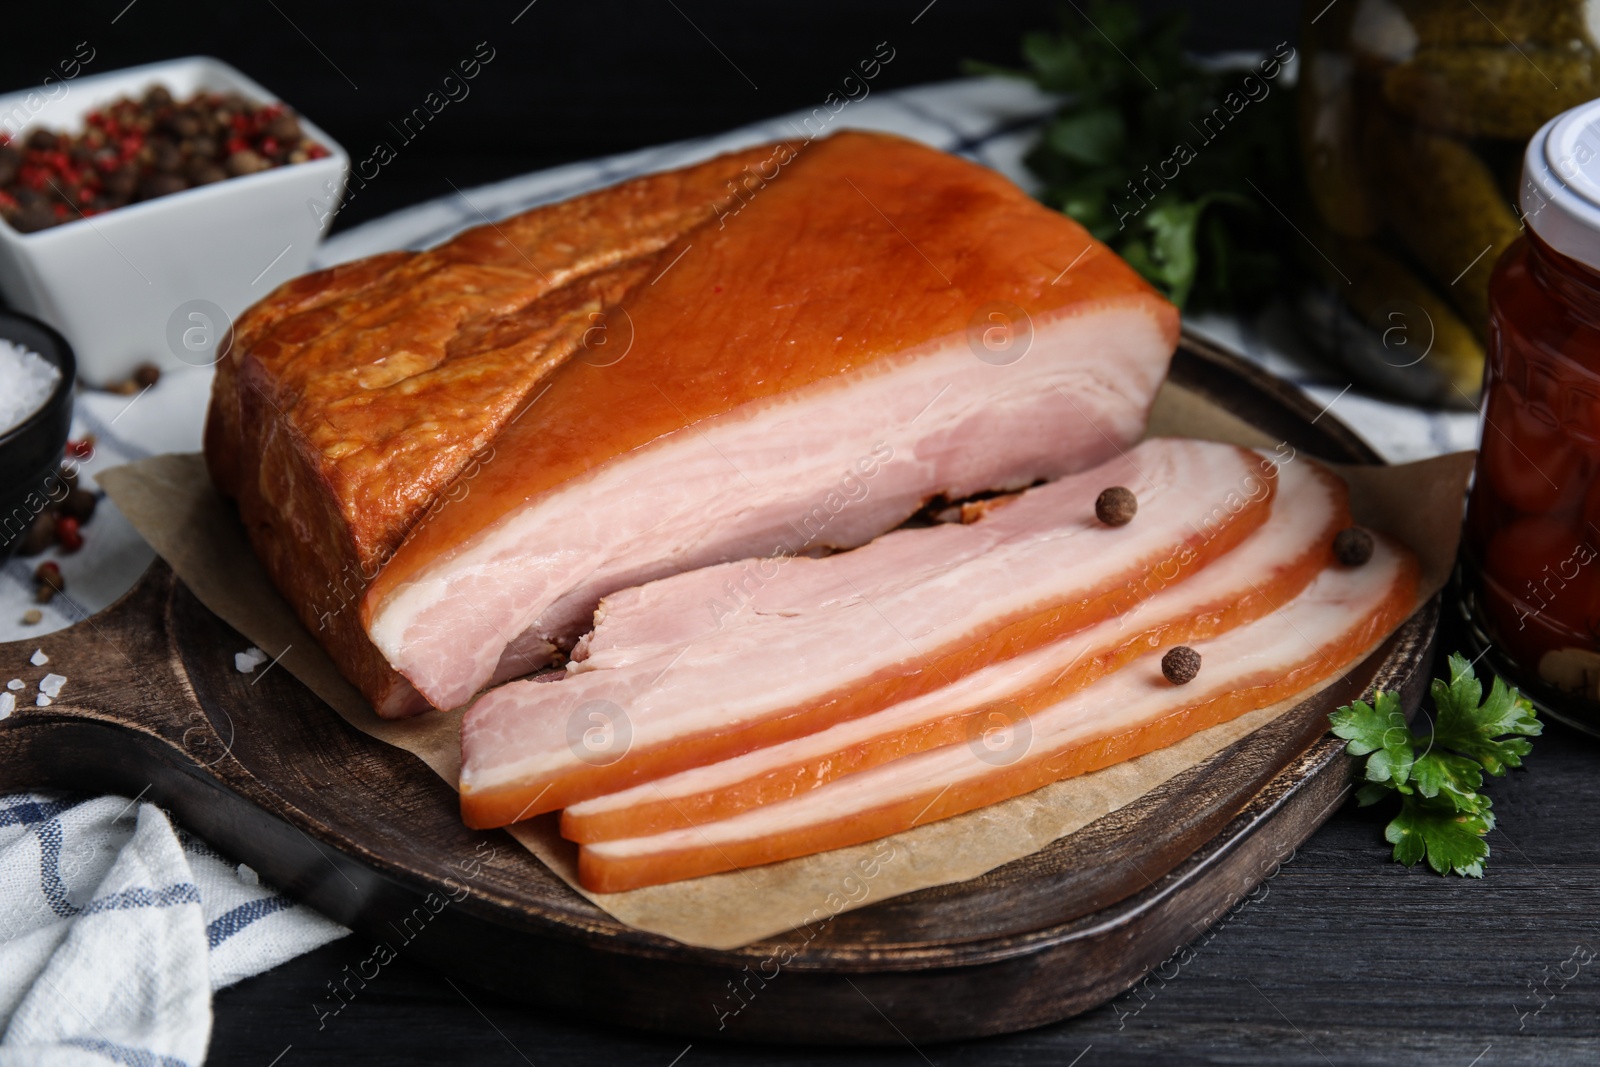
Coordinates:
(1342, 957)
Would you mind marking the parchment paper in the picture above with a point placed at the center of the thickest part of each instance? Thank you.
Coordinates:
(169, 500)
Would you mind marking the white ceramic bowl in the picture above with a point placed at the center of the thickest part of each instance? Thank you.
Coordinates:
(148, 282)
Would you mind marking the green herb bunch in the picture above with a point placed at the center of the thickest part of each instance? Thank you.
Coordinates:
(1443, 818)
(1147, 153)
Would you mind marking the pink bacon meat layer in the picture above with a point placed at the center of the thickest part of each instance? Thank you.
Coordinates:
(1268, 569)
(807, 643)
(1329, 626)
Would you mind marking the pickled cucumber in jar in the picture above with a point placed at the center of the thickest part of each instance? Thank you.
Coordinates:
(1409, 109)
(1389, 327)
(1491, 92)
(1442, 201)
(1496, 23)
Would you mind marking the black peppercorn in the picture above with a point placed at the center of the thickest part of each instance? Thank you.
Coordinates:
(1353, 546)
(1180, 664)
(1116, 506)
(31, 218)
(284, 129)
(152, 186)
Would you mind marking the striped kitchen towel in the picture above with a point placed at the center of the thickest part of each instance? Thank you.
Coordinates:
(115, 928)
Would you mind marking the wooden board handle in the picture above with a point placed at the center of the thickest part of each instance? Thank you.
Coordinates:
(126, 705)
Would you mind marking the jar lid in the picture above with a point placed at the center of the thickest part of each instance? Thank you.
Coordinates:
(1561, 184)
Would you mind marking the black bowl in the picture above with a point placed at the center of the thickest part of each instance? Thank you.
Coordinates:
(30, 452)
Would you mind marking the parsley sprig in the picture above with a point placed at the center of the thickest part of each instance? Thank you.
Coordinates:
(1139, 119)
(1443, 818)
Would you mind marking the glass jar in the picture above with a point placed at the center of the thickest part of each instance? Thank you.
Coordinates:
(1530, 559)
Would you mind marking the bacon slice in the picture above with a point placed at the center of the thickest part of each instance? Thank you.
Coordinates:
(1134, 711)
(815, 642)
(1268, 569)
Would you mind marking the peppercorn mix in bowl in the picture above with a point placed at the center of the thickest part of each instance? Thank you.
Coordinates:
(150, 206)
(140, 148)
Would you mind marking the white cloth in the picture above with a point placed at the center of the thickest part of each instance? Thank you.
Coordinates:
(134, 968)
(115, 929)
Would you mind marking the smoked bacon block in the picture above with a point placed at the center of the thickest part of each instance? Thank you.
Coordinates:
(1267, 570)
(446, 459)
(879, 324)
(1319, 633)
(809, 643)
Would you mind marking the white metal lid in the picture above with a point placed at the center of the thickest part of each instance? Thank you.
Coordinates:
(1560, 195)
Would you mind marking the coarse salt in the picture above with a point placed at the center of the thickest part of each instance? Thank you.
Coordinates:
(248, 875)
(50, 685)
(38, 659)
(15, 684)
(42, 701)
(8, 704)
(26, 381)
(248, 660)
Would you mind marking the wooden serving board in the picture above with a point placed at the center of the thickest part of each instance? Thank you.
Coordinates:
(367, 834)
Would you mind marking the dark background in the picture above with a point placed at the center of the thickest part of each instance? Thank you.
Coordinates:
(571, 79)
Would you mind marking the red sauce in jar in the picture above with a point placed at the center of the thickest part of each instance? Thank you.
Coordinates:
(1530, 562)
(1532, 540)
